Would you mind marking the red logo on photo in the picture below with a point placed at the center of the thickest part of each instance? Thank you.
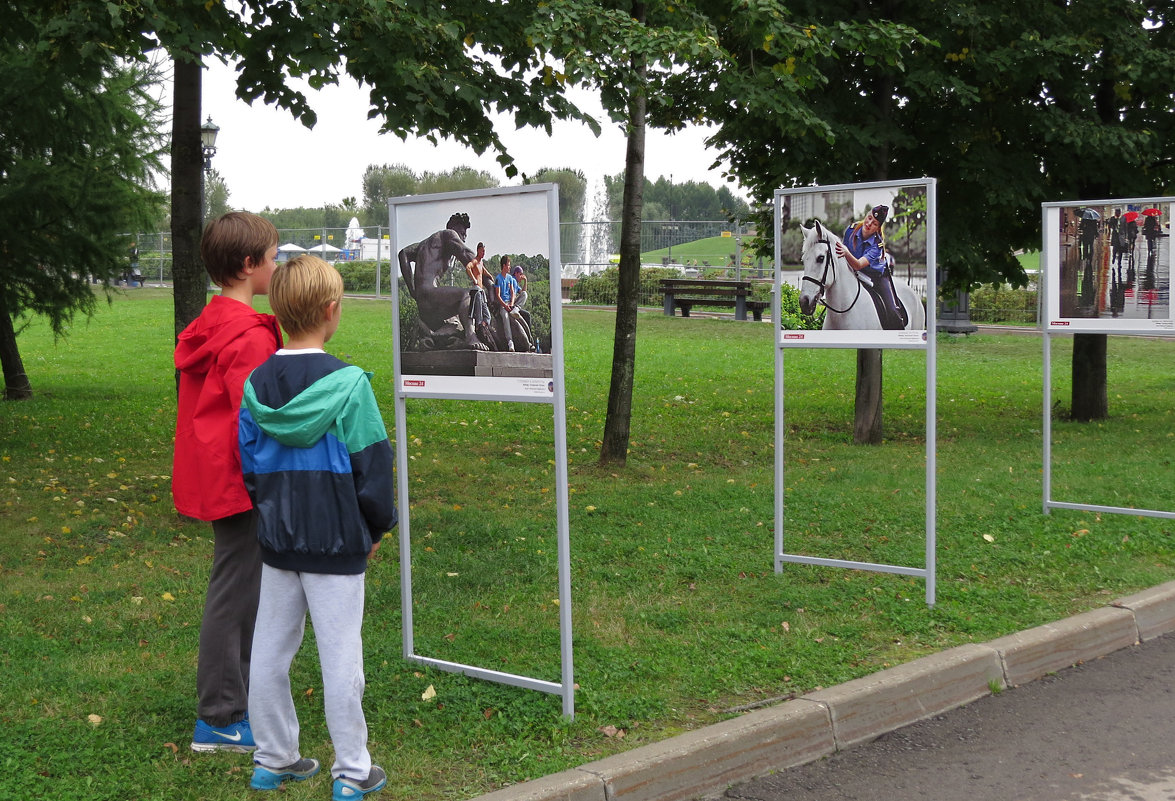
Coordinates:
(1059, 322)
(413, 382)
(794, 336)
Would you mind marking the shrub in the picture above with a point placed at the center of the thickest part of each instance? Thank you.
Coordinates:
(790, 316)
(408, 317)
(538, 303)
(1003, 304)
(359, 276)
(602, 287)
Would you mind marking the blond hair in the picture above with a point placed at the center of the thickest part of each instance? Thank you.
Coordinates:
(300, 291)
(230, 239)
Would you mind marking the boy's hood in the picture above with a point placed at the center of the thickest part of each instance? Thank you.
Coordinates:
(305, 418)
(221, 322)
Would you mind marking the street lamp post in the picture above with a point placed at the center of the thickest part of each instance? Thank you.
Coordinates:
(208, 132)
(670, 218)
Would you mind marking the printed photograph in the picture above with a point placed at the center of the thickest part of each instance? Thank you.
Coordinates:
(1111, 262)
(857, 258)
(473, 289)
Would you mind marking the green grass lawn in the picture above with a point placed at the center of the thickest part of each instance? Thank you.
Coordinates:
(678, 615)
(1030, 261)
(717, 251)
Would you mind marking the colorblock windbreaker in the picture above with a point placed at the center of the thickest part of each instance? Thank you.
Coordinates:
(317, 463)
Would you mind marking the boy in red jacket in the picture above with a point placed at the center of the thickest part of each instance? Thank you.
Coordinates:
(214, 356)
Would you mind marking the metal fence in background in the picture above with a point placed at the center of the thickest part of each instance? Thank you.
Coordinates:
(151, 253)
(715, 248)
(585, 247)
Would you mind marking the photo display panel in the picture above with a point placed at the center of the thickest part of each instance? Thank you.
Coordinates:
(857, 262)
(477, 316)
(857, 256)
(1107, 266)
(454, 337)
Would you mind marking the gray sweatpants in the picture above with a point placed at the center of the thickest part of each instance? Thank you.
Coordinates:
(335, 604)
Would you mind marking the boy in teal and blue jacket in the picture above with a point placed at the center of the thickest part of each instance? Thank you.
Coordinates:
(319, 467)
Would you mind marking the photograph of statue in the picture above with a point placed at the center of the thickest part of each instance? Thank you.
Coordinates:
(474, 280)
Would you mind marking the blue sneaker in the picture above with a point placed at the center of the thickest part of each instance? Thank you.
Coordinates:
(347, 789)
(266, 779)
(236, 737)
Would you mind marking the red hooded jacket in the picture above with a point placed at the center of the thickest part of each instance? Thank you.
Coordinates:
(215, 354)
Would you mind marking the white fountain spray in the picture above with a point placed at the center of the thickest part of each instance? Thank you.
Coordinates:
(595, 232)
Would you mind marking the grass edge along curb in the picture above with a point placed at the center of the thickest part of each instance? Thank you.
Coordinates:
(102, 582)
(705, 761)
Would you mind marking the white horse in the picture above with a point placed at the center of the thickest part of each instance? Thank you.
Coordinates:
(828, 279)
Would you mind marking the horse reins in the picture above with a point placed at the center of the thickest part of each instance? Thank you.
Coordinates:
(822, 283)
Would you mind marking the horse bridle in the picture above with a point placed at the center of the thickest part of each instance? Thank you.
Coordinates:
(823, 282)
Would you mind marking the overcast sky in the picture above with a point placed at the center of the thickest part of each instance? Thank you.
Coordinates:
(269, 159)
(509, 221)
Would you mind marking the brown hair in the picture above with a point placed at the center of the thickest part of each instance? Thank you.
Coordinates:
(230, 239)
(300, 290)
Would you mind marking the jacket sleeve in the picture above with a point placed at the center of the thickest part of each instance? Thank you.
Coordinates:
(373, 468)
(248, 434)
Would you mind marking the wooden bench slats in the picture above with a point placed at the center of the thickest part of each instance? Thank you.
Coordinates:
(684, 293)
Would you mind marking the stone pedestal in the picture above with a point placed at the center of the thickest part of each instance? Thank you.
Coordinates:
(476, 362)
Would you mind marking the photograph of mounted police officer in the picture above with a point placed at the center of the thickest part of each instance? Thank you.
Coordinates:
(861, 254)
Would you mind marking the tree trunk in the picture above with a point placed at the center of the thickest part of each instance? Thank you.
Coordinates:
(867, 419)
(187, 164)
(617, 424)
(16, 382)
(1089, 399)
(867, 410)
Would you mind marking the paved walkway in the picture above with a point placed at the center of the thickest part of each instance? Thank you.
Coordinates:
(1100, 731)
(708, 761)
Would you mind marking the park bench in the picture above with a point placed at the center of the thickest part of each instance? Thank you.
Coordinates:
(684, 293)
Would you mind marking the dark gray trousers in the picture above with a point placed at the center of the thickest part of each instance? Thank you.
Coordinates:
(230, 611)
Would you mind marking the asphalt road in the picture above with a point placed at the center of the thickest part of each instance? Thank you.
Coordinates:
(1101, 731)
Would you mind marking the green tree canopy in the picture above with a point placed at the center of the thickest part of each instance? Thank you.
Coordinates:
(572, 190)
(330, 215)
(1008, 104)
(434, 69)
(380, 183)
(690, 200)
(216, 195)
(77, 159)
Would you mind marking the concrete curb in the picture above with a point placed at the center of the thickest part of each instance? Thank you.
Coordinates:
(706, 761)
